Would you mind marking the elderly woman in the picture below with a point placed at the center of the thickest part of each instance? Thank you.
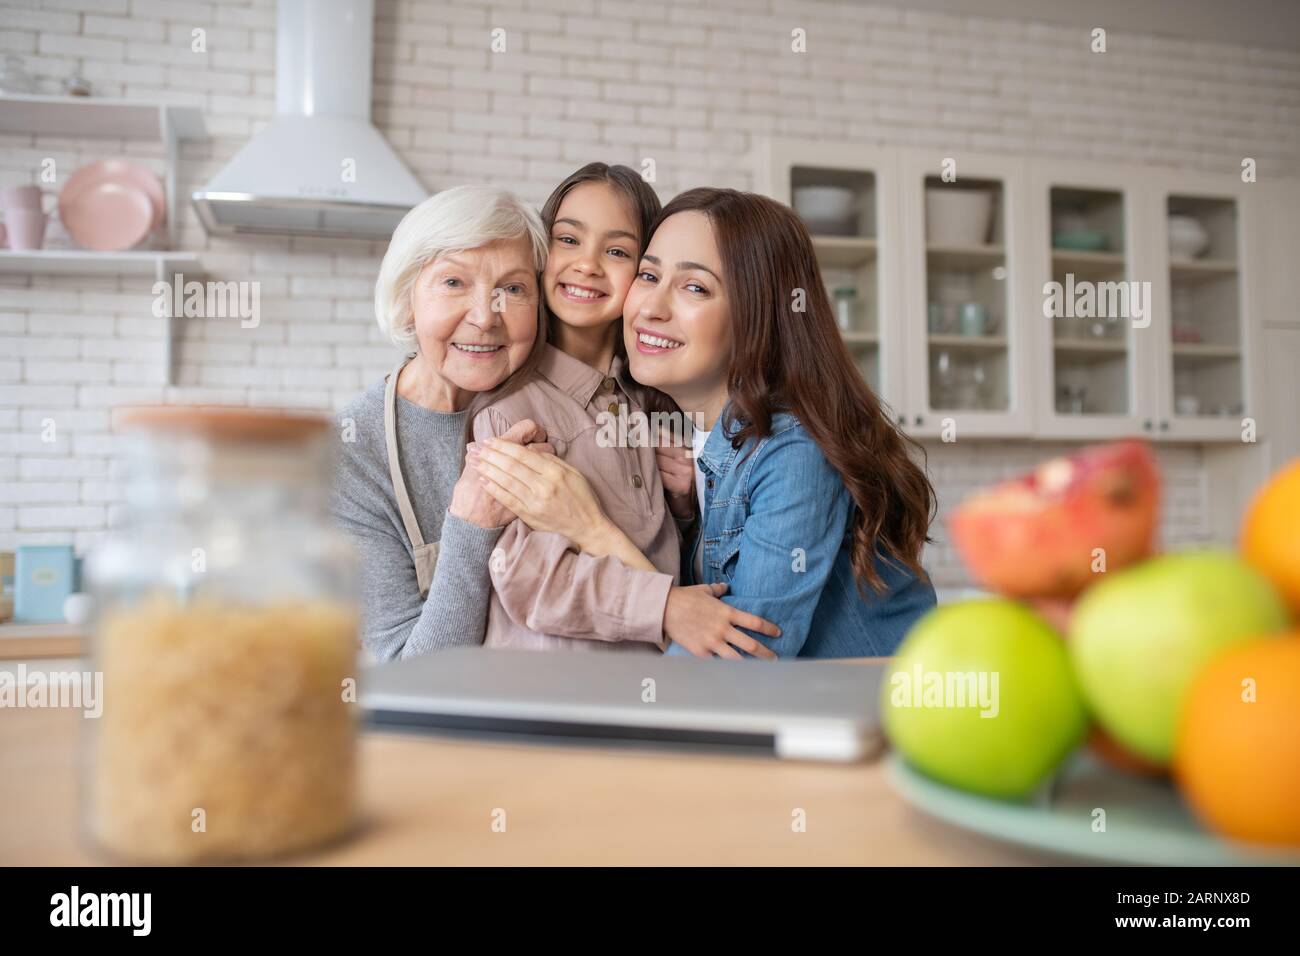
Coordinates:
(459, 288)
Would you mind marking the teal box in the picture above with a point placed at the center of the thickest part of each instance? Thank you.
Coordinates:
(44, 576)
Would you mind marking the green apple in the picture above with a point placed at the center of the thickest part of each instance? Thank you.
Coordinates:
(1139, 636)
(981, 696)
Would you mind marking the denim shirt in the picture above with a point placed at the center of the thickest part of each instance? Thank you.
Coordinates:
(776, 530)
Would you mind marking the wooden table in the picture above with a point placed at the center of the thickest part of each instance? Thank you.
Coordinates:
(431, 800)
(19, 641)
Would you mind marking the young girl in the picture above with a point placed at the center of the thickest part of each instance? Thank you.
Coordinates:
(547, 593)
(812, 511)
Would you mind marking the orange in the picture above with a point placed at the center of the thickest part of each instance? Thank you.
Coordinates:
(1237, 761)
(1270, 534)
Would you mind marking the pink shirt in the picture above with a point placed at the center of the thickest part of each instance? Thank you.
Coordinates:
(548, 595)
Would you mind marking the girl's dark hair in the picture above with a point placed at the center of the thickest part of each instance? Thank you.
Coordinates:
(645, 206)
(783, 360)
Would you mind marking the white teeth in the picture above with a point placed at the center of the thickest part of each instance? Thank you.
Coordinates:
(657, 342)
(476, 348)
(577, 293)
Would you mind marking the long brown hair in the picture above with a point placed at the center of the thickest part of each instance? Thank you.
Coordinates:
(787, 360)
(645, 206)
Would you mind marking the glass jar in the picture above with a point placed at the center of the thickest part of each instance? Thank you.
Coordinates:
(846, 308)
(226, 633)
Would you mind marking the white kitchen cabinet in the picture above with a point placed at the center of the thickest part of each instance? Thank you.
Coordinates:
(1279, 215)
(966, 311)
(958, 332)
(1281, 401)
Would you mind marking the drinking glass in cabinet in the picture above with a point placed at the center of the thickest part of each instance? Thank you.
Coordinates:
(847, 308)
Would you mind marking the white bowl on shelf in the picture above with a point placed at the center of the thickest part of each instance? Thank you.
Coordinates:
(1188, 238)
(958, 217)
(826, 209)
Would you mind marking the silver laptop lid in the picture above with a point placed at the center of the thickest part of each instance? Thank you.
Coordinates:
(796, 708)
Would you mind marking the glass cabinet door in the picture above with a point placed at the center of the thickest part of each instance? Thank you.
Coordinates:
(840, 208)
(966, 296)
(1206, 385)
(1091, 311)
(965, 315)
(1096, 318)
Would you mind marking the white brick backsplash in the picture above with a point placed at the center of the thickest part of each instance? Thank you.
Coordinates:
(77, 420)
(690, 82)
(36, 518)
(36, 468)
(52, 395)
(136, 28)
(32, 443)
(37, 492)
(44, 371)
(80, 46)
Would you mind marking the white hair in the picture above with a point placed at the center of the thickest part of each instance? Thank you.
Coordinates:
(454, 220)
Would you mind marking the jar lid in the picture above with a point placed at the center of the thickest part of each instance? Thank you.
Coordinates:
(224, 422)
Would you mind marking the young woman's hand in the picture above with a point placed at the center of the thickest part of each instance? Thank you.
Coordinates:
(547, 493)
(469, 500)
(677, 471)
(706, 626)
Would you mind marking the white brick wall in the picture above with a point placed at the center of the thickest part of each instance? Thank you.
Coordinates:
(688, 82)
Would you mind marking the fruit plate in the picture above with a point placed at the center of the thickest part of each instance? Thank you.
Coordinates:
(1146, 821)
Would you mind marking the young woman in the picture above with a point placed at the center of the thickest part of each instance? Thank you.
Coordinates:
(550, 592)
(813, 513)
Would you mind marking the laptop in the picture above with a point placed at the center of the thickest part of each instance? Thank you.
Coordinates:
(793, 709)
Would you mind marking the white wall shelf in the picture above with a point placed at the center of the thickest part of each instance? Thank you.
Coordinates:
(98, 117)
(90, 117)
(83, 262)
(844, 251)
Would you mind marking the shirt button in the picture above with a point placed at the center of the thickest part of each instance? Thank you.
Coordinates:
(636, 481)
(609, 384)
(612, 408)
(709, 482)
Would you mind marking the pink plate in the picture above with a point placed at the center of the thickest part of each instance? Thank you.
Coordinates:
(101, 205)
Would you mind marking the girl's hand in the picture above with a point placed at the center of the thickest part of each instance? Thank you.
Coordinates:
(706, 626)
(677, 471)
(470, 502)
(547, 493)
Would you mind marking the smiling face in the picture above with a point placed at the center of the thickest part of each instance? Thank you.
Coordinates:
(592, 259)
(476, 316)
(678, 316)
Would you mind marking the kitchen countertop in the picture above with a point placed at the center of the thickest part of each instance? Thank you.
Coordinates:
(430, 800)
(18, 641)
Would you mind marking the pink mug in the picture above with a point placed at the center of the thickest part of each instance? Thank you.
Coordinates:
(26, 228)
(22, 197)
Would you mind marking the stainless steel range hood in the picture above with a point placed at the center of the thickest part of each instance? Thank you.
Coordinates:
(320, 168)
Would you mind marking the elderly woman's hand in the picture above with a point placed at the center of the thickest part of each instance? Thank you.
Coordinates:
(470, 501)
(547, 493)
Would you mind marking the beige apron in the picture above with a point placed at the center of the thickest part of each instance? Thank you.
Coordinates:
(426, 555)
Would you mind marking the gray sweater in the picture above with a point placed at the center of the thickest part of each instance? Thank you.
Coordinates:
(395, 622)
